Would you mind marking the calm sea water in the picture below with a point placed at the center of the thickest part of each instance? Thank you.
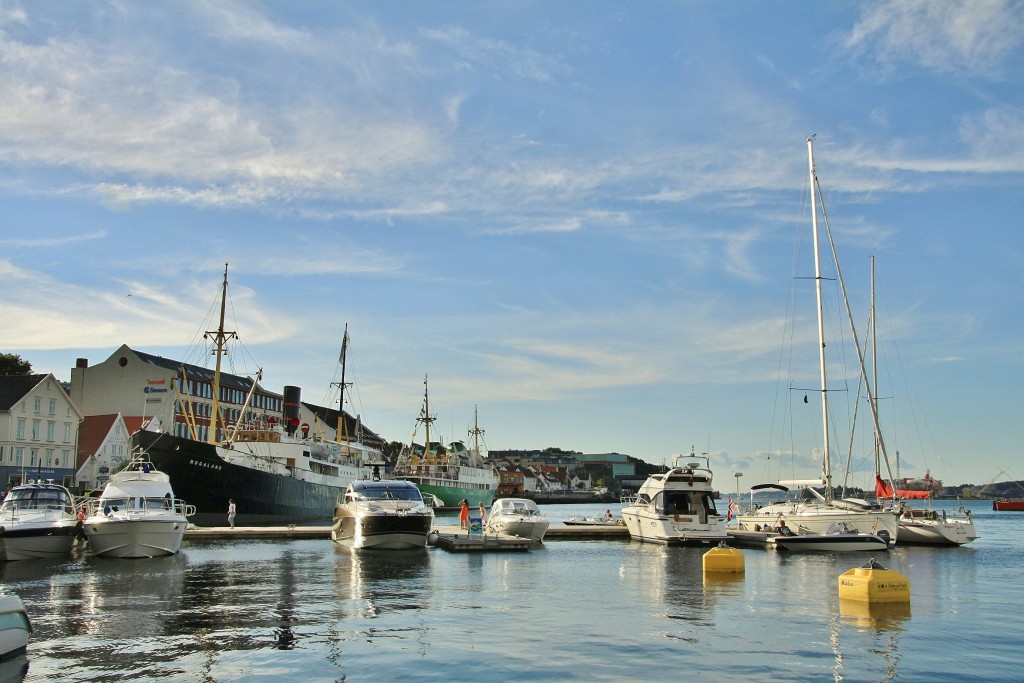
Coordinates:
(571, 611)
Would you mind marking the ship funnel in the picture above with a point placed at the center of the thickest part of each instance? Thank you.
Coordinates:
(291, 409)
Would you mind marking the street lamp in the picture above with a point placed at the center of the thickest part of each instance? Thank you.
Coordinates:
(737, 475)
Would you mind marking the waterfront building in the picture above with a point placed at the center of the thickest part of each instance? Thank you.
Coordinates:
(177, 397)
(104, 446)
(38, 430)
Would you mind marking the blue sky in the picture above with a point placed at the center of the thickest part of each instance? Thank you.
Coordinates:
(584, 218)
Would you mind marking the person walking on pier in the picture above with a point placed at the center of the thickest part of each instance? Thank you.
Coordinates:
(231, 512)
(464, 514)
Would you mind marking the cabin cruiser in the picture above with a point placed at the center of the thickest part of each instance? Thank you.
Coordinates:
(15, 627)
(136, 514)
(517, 517)
(676, 507)
(387, 514)
(37, 521)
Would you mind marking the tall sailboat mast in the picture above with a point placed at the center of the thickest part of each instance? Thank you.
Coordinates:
(826, 456)
(220, 338)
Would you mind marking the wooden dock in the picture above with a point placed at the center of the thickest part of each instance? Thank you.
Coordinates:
(556, 532)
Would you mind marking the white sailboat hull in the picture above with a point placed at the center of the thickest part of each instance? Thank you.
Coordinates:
(817, 518)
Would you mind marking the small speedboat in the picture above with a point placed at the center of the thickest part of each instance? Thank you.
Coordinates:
(387, 514)
(37, 521)
(517, 517)
(136, 514)
(15, 627)
(592, 521)
(837, 538)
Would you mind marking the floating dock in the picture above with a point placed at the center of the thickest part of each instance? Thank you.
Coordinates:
(480, 543)
(554, 533)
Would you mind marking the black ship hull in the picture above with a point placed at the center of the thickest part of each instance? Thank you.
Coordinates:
(202, 478)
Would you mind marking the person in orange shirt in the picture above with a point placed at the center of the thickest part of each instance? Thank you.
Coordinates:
(464, 514)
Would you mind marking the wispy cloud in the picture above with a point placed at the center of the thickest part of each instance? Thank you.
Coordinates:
(973, 36)
(46, 242)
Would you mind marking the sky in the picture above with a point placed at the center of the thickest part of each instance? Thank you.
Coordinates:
(587, 221)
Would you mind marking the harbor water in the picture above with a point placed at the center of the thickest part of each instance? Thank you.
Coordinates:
(573, 610)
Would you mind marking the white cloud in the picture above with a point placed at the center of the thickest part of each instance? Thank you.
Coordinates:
(971, 35)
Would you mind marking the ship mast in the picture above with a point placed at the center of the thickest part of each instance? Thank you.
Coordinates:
(426, 418)
(220, 338)
(477, 433)
(342, 422)
(826, 465)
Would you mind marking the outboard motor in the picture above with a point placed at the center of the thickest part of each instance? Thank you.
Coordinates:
(290, 409)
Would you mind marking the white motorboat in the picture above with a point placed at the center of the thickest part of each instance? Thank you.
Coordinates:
(37, 521)
(838, 538)
(136, 514)
(387, 514)
(606, 520)
(676, 507)
(936, 527)
(819, 513)
(517, 517)
(15, 627)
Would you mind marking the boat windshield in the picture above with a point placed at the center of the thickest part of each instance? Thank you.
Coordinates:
(388, 494)
(36, 499)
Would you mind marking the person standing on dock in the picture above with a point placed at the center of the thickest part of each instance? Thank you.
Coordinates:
(231, 512)
(483, 513)
(464, 514)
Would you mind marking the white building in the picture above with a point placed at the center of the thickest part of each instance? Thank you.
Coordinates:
(38, 430)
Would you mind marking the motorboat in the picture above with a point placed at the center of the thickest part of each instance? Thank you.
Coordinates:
(676, 507)
(606, 520)
(936, 527)
(517, 517)
(15, 627)
(37, 521)
(387, 514)
(136, 515)
(837, 538)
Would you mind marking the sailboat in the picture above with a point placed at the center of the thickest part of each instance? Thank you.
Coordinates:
(922, 526)
(447, 473)
(822, 512)
(275, 472)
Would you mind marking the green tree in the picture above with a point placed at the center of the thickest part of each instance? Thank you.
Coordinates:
(13, 364)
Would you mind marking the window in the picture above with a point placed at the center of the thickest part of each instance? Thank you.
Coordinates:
(53, 406)
(35, 430)
(67, 432)
(50, 427)
(32, 455)
(19, 454)
(49, 457)
(37, 404)
(21, 428)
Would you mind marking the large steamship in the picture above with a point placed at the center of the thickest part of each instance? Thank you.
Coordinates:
(273, 470)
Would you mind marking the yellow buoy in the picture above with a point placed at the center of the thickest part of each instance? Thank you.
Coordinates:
(723, 559)
(874, 583)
